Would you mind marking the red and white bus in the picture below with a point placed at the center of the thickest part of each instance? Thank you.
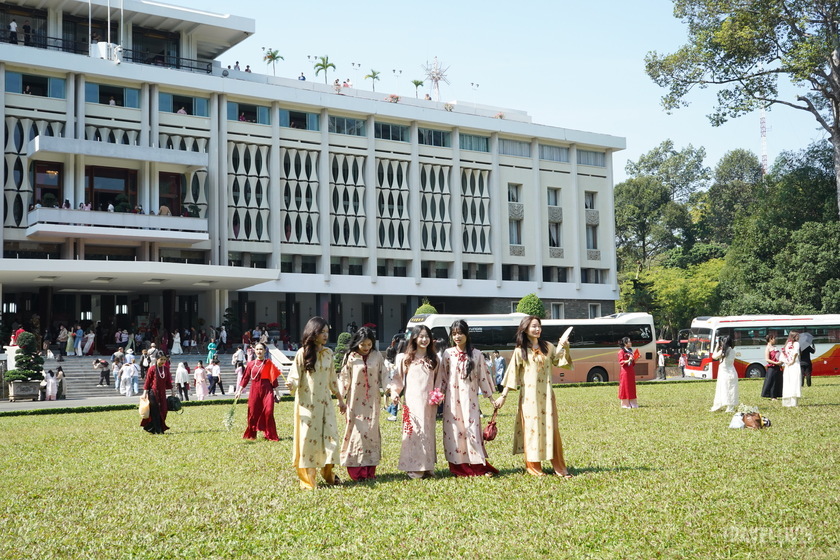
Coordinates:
(749, 332)
(594, 342)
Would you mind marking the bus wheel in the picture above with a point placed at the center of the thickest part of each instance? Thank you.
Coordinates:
(754, 370)
(597, 375)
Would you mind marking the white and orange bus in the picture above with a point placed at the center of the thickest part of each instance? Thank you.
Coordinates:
(594, 342)
(749, 332)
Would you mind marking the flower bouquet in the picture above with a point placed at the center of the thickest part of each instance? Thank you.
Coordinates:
(435, 397)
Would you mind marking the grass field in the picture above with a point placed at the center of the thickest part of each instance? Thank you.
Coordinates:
(669, 480)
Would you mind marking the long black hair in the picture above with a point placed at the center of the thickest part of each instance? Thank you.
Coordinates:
(411, 346)
(521, 339)
(461, 327)
(313, 328)
(362, 334)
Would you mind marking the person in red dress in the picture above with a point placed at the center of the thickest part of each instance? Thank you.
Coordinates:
(264, 374)
(627, 376)
(158, 380)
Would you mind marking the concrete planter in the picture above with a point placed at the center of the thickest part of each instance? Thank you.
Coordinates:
(24, 390)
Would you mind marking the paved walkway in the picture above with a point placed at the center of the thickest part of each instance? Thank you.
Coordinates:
(89, 401)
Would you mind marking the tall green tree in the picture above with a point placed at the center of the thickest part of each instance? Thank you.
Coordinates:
(271, 56)
(323, 65)
(647, 222)
(373, 77)
(735, 187)
(682, 171)
(743, 48)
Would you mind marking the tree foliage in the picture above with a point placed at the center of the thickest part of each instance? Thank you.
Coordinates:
(647, 222)
(743, 48)
(271, 56)
(531, 305)
(373, 77)
(736, 186)
(323, 65)
(681, 171)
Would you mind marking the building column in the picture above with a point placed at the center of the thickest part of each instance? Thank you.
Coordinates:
(80, 108)
(540, 226)
(577, 217)
(3, 159)
(456, 197)
(325, 213)
(169, 310)
(220, 200)
(498, 200)
(154, 115)
(609, 231)
(370, 201)
(145, 115)
(275, 224)
(414, 206)
(213, 175)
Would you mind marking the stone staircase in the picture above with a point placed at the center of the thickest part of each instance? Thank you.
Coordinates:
(81, 378)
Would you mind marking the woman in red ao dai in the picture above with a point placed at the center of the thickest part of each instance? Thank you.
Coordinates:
(464, 374)
(263, 375)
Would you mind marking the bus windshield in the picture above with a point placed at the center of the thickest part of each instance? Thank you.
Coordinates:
(699, 345)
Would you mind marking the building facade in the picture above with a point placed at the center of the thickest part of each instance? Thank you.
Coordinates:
(274, 199)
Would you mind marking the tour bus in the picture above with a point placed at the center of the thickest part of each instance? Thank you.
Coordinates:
(594, 342)
(749, 332)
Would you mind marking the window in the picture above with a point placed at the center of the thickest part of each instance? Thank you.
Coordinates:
(514, 191)
(553, 196)
(594, 310)
(387, 131)
(111, 185)
(587, 157)
(555, 274)
(474, 143)
(592, 237)
(514, 148)
(172, 103)
(554, 239)
(171, 192)
(308, 264)
(346, 125)
(105, 94)
(47, 182)
(592, 276)
(41, 86)
(299, 119)
(554, 153)
(515, 232)
(429, 137)
(589, 200)
(558, 311)
(248, 113)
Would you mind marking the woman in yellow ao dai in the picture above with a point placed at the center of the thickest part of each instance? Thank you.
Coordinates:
(311, 380)
(536, 433)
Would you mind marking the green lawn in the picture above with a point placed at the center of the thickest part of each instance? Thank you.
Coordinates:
(669, 480)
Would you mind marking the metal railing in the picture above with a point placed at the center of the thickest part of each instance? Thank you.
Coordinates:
(39, 41)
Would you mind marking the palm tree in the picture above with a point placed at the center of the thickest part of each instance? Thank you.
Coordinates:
(323, 64)
(374, 75)
(417, 85)
(271, 56)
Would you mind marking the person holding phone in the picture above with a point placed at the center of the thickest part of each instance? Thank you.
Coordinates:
(627, 376)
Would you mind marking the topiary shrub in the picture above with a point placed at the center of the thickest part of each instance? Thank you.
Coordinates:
(425, 308)
(122, 204)
(531, 305)
(28, 364)
(341, 348)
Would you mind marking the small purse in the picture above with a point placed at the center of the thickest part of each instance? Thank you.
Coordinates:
(753, 420)
(490, 430)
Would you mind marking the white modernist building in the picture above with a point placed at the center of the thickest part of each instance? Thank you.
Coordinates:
(288, 198)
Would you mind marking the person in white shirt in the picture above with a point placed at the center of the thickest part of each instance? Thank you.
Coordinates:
(238, 356)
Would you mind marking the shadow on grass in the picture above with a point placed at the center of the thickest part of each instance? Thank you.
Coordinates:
(584, 470)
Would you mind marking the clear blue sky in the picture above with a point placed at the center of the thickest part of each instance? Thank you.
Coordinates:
(567, 63)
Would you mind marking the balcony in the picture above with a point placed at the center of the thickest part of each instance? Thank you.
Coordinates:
(52, 223)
